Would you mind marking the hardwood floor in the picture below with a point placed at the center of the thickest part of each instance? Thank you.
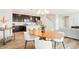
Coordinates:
(19, 43)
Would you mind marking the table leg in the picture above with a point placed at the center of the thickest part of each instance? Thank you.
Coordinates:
(14, 35)
(42, 38)
(52, 44)
(55, 46)
(25, 44)
(63, 45)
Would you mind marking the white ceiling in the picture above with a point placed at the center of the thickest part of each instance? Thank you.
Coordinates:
(51, 11)
(64, 11)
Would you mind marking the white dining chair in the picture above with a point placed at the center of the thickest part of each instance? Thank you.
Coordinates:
(59, 40)
(42, 44)
(28, 37)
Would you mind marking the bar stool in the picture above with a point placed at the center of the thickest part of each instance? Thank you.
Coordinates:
(59, 40)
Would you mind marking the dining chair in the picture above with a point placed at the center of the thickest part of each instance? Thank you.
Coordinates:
(28, 37)
(42, 44)
(59, 40)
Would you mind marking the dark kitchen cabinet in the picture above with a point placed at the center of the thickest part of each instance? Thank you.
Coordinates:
(20, 18)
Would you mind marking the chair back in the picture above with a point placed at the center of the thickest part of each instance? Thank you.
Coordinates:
(60, 39)
(28, 36)
(42, 44)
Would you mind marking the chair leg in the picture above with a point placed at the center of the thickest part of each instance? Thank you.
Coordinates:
(52, 44)
(55, 46)
(14, 35)
(25, 44)
(34, 42)
(63, 45)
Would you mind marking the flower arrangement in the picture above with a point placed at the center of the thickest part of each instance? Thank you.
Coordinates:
(42, 27)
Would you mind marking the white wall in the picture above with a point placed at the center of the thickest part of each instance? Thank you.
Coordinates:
(8, 16)
(74, 18)
(49, 21)
(52, 21)
(61, 22)
(57, 22)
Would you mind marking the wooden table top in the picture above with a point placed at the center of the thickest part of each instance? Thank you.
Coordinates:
(47, 34)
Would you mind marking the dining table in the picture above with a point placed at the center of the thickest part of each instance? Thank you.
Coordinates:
(43, 34)
(46, 34)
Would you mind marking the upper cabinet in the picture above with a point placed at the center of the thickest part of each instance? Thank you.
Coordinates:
(20, 18)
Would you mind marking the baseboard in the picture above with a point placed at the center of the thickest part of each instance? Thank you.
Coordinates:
(71, 38)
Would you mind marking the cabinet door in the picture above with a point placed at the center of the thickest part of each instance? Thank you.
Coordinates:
(66, 22)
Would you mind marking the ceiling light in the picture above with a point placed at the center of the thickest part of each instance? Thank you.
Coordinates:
(42, 12)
